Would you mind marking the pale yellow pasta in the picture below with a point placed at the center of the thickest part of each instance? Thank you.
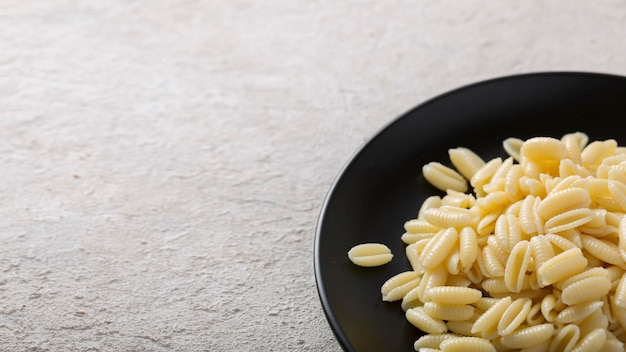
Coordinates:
(398, 286)
(487, 225)
(507, 232)
(593, 341)
(512, 147)
(412, 299)
(410, 238)
(576, 313)
(569, 220)
(585, 290)
(535, 316)
(573, 236)
(431, 341)
(516, 266)
(565, 339)
(512, 181)
(558, 184)
(453, 295)
(580, 137)
(429, 203)
(413, 252)
(465, 161)
(427, 349)
(463, 328)
(453, 262)
(561, 267)
(500, 253)
(616, 174)
(543, 148)
(548, 307)
(432, 278)
(370, 254)
(528, 215)
(568, 167)
(449, 312)
(421, 320)
(531, 258)
(466, 344)
(446, 216)
(493, 201)
(542, 250)
(593, 153)
(468, 248)
(612, 345)
(539, 347)
(494, 267)
(443, 177)
(597, 320)
(561, 243)
(489, 320)
(439, 247)
(618, 192)
(458, 281)
(532, 186)
(603, 250)
(620, 292)
(561, 201)
(417, 226)
(528, 336)
(622, 233)
(484, 174)
(458, 199)
(514, 316)
(573, 147)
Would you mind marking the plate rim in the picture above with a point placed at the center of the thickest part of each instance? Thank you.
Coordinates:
(338, 332)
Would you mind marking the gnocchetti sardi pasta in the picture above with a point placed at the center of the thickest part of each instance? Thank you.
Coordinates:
(525, 252)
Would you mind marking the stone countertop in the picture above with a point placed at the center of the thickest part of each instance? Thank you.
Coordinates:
(164, 162)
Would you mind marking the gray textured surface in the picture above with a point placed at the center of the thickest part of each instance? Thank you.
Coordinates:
(164, 162)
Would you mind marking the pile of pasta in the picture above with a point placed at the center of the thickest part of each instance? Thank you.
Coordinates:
(530, 255)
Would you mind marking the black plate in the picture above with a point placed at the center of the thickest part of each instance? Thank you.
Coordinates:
(382, 186)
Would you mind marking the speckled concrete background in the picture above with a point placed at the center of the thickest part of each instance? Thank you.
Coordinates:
(163, 162)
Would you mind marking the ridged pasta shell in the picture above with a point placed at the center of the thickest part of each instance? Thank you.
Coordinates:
(443, 177)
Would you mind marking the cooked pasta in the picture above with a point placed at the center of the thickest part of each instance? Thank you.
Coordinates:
(525, 253)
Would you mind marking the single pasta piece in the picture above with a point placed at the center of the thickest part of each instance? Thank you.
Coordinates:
(449, 312)
(565, 339)
(453, 295)
(561, 267)
(466, 344)
(516, 266)
(447, 216)
(421, 320)
(528, 336)
(620, 292)
(443, 177)
(585, 290)
(562, 201)
(512, 146)
(439, 247)
(579, 312)
(592, 341)
(569, 220)
(370, 254)
(604, 250)
(543, 148)
(465, 161)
